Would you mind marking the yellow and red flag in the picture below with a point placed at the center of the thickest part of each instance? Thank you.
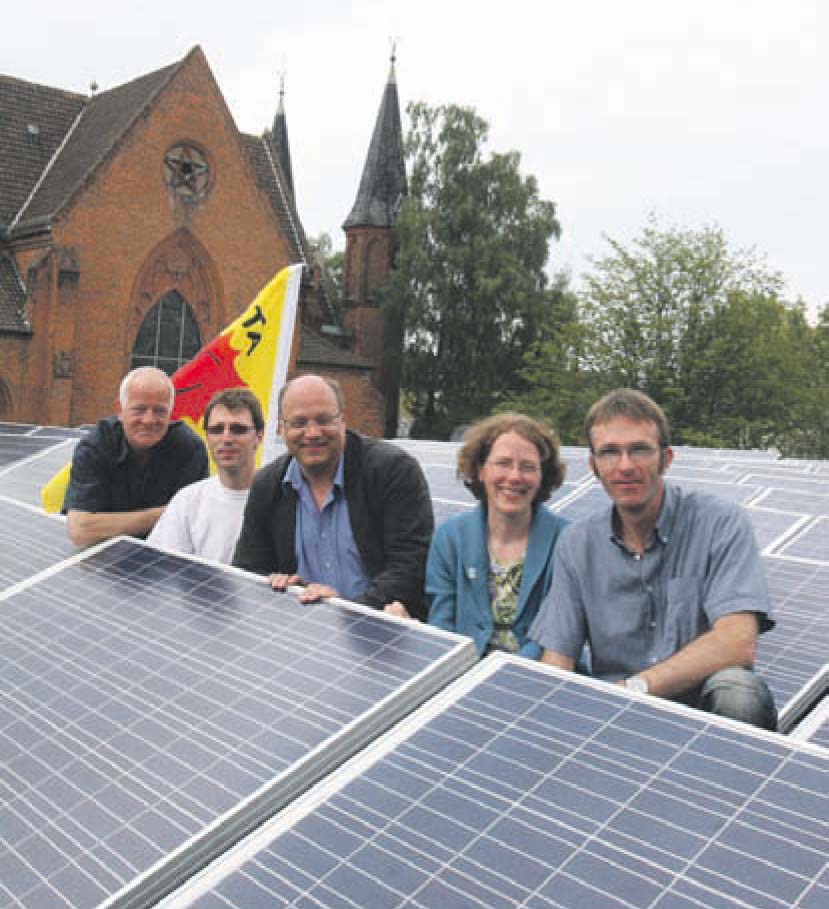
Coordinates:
(253, 350)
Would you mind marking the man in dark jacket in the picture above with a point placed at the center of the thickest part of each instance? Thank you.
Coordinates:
(341, 513)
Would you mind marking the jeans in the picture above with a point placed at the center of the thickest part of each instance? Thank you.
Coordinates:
(740, 695)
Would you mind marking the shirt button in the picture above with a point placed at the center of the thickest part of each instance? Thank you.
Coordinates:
(652, 660)
(649, 588)
(327, 564)
(637, 556)
(653, 624)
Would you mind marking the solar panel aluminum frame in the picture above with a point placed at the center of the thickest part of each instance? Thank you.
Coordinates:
(802, 703)
(810, 708)
(211, 876)
(170, 872)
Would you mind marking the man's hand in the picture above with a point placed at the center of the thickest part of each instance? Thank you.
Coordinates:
(313, 593)
(398, 609)
(281, 582)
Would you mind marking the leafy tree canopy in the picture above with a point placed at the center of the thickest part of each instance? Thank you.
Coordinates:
(469, 288)
(701, 327)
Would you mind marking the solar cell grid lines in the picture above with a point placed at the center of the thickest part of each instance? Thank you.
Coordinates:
(23, 479)
(800, 502)
(772, 527)
(524, 787)
(30, 541)
(790, 655)
(811, 543)
(156, 708)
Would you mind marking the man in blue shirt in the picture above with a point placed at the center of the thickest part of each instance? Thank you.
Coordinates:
(341, 513)
(666, 587)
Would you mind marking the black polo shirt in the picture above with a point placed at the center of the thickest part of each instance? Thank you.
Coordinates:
(106, 476)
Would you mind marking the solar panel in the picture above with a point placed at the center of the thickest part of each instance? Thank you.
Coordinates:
(14, 448)
(792, 654)
(772, 527)
(819, 728)
(16, 429)
(24, 479)
(810, 711)
(811, 543)
(522, 786)
(30, 541)
(802, 502)
(155, 709)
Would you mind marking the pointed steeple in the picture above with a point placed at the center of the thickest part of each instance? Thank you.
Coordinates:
(383, 184)
(279, 138)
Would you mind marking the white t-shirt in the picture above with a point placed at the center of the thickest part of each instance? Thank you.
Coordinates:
(202, 519)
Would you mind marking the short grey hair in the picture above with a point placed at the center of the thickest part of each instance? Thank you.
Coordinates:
(123, 391)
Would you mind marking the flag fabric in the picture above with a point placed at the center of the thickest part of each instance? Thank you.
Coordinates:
(252, 351)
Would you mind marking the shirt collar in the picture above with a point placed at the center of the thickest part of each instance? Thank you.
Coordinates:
(293, 475)
(664, 523)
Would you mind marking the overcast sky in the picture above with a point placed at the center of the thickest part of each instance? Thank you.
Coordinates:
(705, 112)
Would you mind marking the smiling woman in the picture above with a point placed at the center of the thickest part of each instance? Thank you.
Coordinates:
(489, 570)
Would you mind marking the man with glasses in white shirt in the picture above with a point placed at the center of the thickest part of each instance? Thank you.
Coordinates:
(205, 518)
(666, 586)
(341, 514)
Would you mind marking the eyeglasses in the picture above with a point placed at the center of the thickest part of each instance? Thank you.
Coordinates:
(525, 468)
(323, 421)
(638, 454)
(235, 429)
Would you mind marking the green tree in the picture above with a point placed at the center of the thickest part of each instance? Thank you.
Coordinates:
(331, 262)
(469, 283)
(697, 325)
(556, 383)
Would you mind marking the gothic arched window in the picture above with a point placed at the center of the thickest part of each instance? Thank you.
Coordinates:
(169, 335)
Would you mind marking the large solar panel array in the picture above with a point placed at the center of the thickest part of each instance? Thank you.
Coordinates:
(526, 787)
(156, 708)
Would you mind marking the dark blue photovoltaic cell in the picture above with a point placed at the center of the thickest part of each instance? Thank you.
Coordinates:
(535, 790)
(15, 448)
(29, 542)
(770, 526)
(145, 696)
(812, 543)
(795, 651)
(24, 480)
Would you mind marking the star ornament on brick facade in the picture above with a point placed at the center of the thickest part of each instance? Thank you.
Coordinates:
(186, 171)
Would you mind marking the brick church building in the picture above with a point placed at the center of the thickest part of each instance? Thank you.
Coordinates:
(136, 223)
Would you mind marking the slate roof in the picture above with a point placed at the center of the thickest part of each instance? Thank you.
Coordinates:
(383, 184)
(280, 144)
(12, 298)
(315, 350)
(271, 181)
(103, 121)
(33, 122)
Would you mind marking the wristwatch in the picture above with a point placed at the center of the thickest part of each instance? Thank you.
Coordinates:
(637, 683)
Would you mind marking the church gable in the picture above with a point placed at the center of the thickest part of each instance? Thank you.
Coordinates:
(91, 137)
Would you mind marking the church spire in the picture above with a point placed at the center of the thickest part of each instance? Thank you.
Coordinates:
(279, 138)
(383, 184)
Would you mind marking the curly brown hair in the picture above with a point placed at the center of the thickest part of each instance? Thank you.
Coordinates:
(480, 437)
